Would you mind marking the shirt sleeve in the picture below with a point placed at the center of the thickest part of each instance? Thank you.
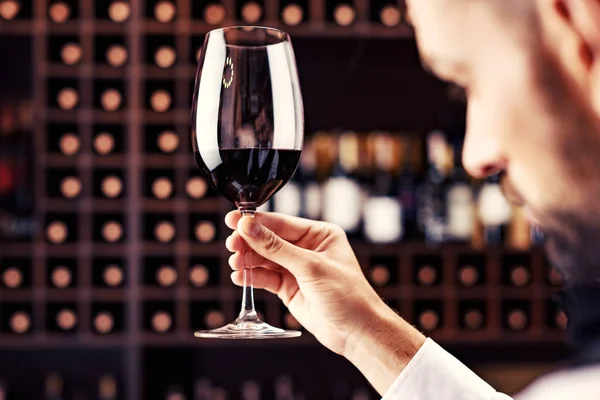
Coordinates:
(434, 374)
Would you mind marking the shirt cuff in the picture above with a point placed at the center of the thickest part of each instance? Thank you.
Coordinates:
(435, 374)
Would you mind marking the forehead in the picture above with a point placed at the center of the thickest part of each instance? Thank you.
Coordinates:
(453, 30)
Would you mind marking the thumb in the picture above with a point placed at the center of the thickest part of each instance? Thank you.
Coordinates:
(266, 243)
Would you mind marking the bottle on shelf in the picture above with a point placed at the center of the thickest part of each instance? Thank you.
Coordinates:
(116, 55)
(494, 211)
(312, 193)
(202, 389)
(342, 194)
(160, 100)
(69, 144)
(112, 186)
(360, 394)
(59, 12)
(66, 319)
(119, 11)
(382, 210)
(214, 13)
(429, 320)
(205, 231)
(344, 14)
(407, 186)
(175, 393)
(214, 319)
(161, 322)
(520, 275)
(251, 390)
(284, 388)
(472, 319)
(251, 12)
(104, 143)
(104, 322)
(67, 98)
(427, 275)
(390, 15)
(20, 322)
(107, 388)
(196, 187)
(162, 188)
(12, 277)
(516, 315)
(165, 56)
(379, 275)
(199, 275)
(166, 276)
(61, 277)
(164, 231)
(113, 275)
(164, 11)
(57, 232)
(292, 13)
(54, 387)
(9, 9)
(460, 203)
(288, 200)
(517, 320)
(111, 100)
(71, 53)
(70, 187)
(167, 141)
(432, 210)
(112, 231)
(519, 231)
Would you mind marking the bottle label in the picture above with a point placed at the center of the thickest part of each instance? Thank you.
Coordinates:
(493, 208)
(288, 200)
(383, 220)
(461, 212)
(342, 203)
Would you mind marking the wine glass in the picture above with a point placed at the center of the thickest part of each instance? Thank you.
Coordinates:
(247, 134)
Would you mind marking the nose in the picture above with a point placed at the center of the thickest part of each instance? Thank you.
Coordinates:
(483, 153)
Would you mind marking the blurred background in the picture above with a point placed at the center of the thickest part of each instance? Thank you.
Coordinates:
(112, 246)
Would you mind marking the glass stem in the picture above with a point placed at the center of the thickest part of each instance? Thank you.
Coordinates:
(248, 312)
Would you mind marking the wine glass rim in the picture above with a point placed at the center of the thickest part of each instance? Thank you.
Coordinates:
(285, 35)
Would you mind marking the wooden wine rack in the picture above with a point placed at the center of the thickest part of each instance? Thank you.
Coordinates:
(402, 293)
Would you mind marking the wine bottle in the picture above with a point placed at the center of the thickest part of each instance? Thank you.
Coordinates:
(342, 14)
(61, 277)
(433, 216)
(390, 15)
(113, 276)
(407, 188)
(520, 275)
(111, 100)
(119, 11)
(69, 144)
(67, 98)
(12, 278)
(196, 187)
(202, 389)
(214, 319)
(112, 186)
(427, 275)
(112, 231)
(164, 231)
(251, 390)
(70, 187)
(379, 275)
(517, 319)
(66, 319)
(71, 53)
(104, 322)
(164, 11)
(20, 322)
(214, 13)
(167, 141)
(468, 275)
(519, 231)
(382, 210)
(494, 211)
(460, 206)
(472, 319)
(160, 100)
(9, 9)
(165, 56)
(161, 321)
(293, 12)
(57, 232)
(342, 193)
(251, 12)
(59, 12)
(116, 55)
(104, 143)
(166, 276)
(429, 320)
(53, 389)
(107, 388)
(312, 201)
(284, 388)
(162, 188)
(199, 275)
(175, 393)
(205, 231)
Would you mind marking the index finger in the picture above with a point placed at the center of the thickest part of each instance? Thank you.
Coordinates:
(285, 226)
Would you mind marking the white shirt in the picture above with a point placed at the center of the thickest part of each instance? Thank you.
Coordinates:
(434, 374)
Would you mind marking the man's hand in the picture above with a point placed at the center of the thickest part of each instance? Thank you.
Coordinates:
(312, 268)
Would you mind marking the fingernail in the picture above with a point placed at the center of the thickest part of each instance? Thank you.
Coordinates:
(249, 226)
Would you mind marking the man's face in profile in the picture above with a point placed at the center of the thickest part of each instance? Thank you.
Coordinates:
(531, 73)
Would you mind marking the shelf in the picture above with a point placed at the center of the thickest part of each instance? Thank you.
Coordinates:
(43, 341)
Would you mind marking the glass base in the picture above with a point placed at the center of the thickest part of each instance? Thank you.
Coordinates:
(247, 330)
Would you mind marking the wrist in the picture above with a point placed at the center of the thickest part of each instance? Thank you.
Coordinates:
(383, 347)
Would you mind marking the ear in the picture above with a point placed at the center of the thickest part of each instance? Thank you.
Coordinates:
(572, 29)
